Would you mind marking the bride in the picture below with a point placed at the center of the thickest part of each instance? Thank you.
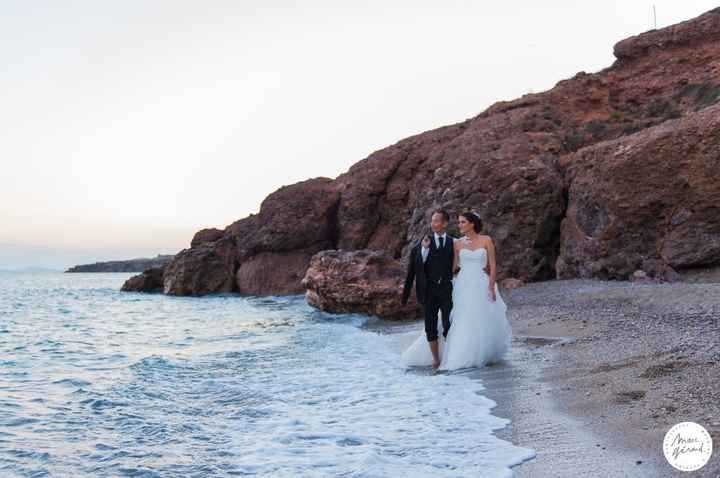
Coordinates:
(480, 333)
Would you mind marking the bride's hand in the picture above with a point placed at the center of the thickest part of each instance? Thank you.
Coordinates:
(492, 292)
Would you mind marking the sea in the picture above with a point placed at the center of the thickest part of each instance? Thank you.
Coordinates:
(95, 382)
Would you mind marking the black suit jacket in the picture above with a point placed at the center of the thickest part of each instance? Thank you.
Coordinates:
(417, 269)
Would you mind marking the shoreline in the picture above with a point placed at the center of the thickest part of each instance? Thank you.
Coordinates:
(565, 445)
(599, 371)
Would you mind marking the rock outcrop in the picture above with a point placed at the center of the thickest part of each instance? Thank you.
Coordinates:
(262, 254)
(363, 281)
(151, 280)
(703, 29)
(601, 175)
(651, 196)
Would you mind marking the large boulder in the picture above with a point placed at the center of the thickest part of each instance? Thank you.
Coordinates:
(299, 216)
(261, 254)
(150, 280)
(276, 273)
(275, 245)
(363, 281)
(203, 269)
(644, 200)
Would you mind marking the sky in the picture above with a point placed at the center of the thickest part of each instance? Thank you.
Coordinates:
(127, 126)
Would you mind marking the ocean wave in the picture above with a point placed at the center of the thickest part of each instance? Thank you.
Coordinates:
(126, 385)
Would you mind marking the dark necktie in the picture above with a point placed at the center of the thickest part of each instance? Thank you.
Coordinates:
(442, 242)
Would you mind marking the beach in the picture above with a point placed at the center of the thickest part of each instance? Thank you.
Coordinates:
(596, 375)
(600, 370)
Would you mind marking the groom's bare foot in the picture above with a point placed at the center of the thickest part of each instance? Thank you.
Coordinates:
(435, 354)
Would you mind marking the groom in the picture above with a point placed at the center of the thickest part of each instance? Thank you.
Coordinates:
(431, 263)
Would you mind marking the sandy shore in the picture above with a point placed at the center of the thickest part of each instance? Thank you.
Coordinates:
(600, 370)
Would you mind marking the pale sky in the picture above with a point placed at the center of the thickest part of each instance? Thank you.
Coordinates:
(127, 126)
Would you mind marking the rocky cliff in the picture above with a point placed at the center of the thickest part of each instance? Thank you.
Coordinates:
(603, 174)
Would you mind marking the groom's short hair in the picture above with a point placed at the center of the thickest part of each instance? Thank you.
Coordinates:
(443, 213)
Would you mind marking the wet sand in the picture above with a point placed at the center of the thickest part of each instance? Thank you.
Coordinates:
(600, 370)
(566, 445)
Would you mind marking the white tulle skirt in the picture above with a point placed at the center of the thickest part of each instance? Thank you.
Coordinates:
(479, 334)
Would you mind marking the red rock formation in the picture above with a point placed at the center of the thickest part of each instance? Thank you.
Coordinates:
(151, 280)
(364, 281)
(654, 194)
(273, 272)
(264, 253)
(203, 269)
(703, 29)
(206, 235)
(528, 167)
(506, 162)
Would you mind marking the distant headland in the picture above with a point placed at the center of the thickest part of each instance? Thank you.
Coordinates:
(130, 265)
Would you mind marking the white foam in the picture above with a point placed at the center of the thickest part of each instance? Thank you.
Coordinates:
(355, 411)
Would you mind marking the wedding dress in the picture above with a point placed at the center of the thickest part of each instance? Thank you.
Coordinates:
(479, 333)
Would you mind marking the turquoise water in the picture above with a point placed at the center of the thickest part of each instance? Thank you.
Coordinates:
(98, 382)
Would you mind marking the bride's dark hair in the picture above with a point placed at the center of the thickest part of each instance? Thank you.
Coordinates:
(474, 218)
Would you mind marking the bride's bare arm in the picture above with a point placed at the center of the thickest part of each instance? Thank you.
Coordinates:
(456, 251)
(491, 262)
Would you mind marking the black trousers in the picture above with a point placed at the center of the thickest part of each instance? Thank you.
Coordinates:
(439, 298)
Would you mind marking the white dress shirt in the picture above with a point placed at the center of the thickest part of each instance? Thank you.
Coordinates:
(426, 250)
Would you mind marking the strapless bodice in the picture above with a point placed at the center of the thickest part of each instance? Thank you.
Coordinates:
(473, 256)
(473, 262)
